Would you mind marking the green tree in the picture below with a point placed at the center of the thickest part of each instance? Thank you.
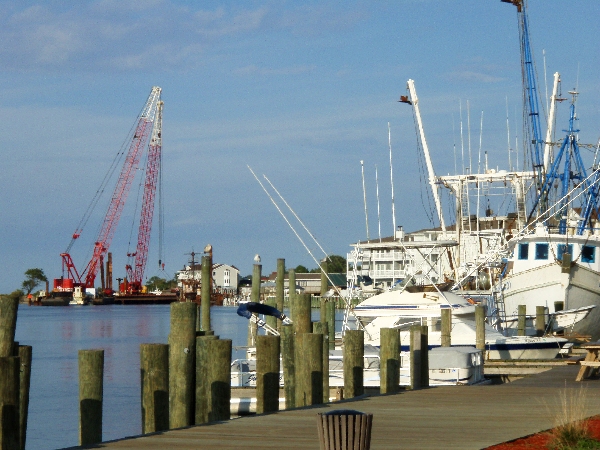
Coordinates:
(33, 277)
(301, 269)
(335, 264)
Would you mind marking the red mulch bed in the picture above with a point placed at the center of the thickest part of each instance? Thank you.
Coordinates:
(541, 440)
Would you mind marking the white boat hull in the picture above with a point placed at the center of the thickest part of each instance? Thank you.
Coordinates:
(548, 286)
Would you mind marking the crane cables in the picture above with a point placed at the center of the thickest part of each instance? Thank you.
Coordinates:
(115, 164)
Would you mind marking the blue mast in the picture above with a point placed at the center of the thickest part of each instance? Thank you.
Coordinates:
(530, 98)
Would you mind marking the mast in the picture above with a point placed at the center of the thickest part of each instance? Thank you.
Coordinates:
(551, 117)
(392, 181)
(378, 214)
(415, 102)
(362, 169)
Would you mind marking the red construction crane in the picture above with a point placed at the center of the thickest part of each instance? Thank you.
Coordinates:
(135, 273)
(138, 143)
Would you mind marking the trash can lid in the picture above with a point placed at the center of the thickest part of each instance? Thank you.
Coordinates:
(344, 412)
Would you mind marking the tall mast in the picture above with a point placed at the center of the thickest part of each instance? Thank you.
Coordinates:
(392, 181)
(551, 116)
(436, 198)
(362, 169)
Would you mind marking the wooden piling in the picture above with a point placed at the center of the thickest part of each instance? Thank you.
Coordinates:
(279, 288)
(291, 290)
(330, 319)
(25, 356)
(540, 320)
(9, 307)
(91, 374)
(415, 357)
(480, 328)
(308, 349)
(254, 297)
(201, 388)
(218, 379)
(424, 356)
(321, 328)
(154, 381)
(323, 277)
(353, 355)
(9, 402)
(522, 319)
(267, 374)
(389, 361)
(302, 322)
(182, 359)
(206, 291)
(446, 323)
(270, 320)
(288, 362)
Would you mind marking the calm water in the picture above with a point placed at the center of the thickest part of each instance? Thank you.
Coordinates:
(57, 333)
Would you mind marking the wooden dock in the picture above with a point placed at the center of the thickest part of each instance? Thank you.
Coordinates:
(472, 417)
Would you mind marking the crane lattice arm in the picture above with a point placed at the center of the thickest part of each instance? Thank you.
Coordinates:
(530, 98)
(115, 208)
(136, 273)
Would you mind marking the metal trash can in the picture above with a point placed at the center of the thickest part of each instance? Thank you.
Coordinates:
(344, 430)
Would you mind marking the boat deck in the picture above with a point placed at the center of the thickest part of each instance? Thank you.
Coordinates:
(470, 417)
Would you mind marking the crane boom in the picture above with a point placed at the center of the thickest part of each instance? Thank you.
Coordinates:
(136, 273)
(530, 98)
(115, 208)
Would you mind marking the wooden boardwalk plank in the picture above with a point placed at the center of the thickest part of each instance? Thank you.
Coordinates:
(442, 417)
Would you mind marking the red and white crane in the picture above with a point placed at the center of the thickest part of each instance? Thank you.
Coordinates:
(145, 123)
(135, 273)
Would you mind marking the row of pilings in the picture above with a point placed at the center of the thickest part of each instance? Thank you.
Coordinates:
(188, 380)
(15, 376)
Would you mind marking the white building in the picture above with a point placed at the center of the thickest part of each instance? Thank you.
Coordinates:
(225, 277)
(388, 260)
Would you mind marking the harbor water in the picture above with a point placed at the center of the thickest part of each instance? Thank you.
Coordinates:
(57, 333)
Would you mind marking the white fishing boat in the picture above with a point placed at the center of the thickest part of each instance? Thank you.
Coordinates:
(425, 302)
(447, 367)
(558, 271)
(463, 333)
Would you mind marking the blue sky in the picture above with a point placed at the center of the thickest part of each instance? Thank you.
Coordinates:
(300, 91)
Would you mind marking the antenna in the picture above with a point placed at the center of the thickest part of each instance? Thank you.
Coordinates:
(462, 141)
(545, 78)
(378, 215)
(469, 136)
(392, 181)
(454, 144)
(362, 169)
(510, 167)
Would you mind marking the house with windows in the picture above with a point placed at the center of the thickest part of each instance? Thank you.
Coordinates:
(378, 264)
(307, 283)
(225, 278)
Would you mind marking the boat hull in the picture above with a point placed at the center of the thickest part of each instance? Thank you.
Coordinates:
(555, 289)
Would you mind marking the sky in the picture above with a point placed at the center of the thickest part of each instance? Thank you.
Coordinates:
(301, 92)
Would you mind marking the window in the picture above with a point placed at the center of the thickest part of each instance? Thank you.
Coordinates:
(523, 251)
(541, 251)
(562, 248)
(588, 254)
(226, 278)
